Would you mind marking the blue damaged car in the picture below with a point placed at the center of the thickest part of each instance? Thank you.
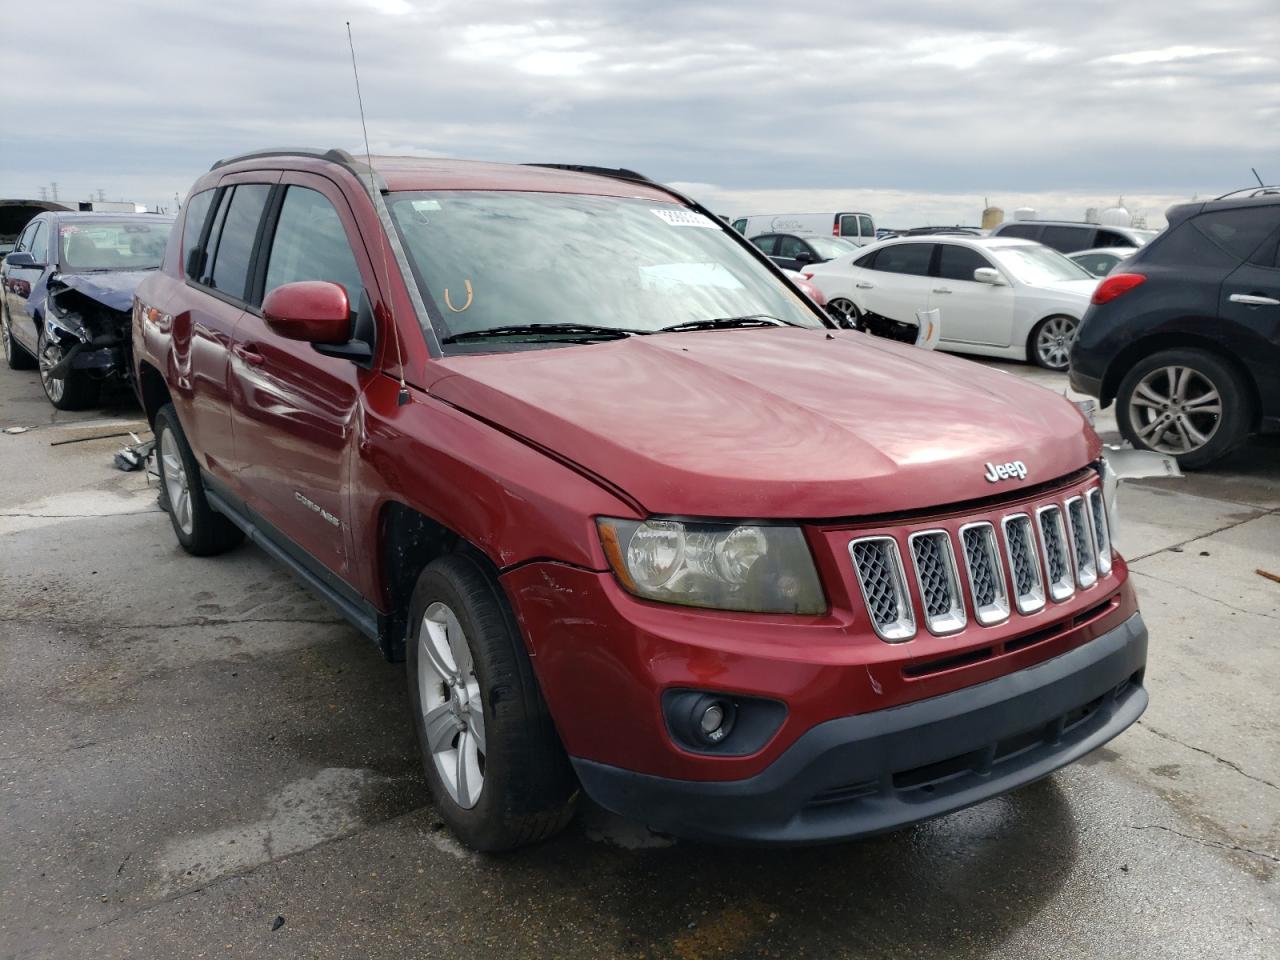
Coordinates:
(67, 294)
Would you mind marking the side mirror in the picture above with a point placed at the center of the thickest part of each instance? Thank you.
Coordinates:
(804, 256)
(21, 259)
(988, 275)
(313, 311)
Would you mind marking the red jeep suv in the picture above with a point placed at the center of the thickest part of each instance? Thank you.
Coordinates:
(640, 521)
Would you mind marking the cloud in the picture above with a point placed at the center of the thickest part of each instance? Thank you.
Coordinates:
(931, 104)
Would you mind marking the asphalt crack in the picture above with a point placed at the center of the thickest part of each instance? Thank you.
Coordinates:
(79, 516)
(1209, 753)
(1204, 596)
(200, 622)
(1203, 840)
(1175, 547)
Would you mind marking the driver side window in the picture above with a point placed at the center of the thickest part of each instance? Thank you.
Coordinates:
(40, 244)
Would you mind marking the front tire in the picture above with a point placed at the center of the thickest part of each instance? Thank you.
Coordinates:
(845, 313)
(15, 357)
(1049, 345)
(201, 530)
(74, 390)
(497, 772)
(1187, 403)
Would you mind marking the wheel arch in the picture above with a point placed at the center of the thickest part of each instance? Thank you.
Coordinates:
(1125, 360)
(152, 390)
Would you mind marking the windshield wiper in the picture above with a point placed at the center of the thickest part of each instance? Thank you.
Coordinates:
(575, 331)
(725, 323)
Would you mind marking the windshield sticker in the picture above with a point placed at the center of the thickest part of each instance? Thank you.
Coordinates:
(684, 218)
(423, 206)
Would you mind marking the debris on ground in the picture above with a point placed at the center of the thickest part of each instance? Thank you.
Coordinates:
(1267, 574)
(276, 924)
(17, 429)
(134, 457)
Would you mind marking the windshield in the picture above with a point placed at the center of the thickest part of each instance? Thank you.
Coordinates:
(103, 245)
(502, 259)
(831, 247)
(1032, 263)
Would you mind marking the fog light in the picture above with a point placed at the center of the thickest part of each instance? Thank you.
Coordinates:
(712, 722)
(720, 723)
(712, 718)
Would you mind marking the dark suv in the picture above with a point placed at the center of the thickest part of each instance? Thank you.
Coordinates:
(1067, 237)
(1187, 339)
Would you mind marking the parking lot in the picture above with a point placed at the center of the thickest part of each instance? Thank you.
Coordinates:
(199, 759)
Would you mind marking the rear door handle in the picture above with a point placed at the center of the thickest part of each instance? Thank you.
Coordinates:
(1254, 300)
(249, 354)
(941, 290)
(863, 285)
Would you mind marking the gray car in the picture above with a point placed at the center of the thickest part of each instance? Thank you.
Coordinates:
(1067, 237)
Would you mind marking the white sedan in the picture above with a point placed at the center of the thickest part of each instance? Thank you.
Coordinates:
(997, 297)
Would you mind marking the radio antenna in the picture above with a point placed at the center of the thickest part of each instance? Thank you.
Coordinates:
(1256, 177)
(403, 396)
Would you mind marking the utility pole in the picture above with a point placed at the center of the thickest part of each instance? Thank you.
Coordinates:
(44, 193)
(102, 196)
(55, 190)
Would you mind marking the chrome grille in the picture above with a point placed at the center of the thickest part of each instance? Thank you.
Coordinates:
(1082, 549)
(1053, 537)
(939, 581)
(1020, 541)
(986, 578)
(884, 587)
(1101, 530)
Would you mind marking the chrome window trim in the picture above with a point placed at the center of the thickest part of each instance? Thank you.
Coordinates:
(1036, 598)
(954, 620)
(1059, 590)
(998, 611)
(904, 628)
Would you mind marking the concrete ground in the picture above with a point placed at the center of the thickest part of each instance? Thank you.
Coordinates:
(197, 759)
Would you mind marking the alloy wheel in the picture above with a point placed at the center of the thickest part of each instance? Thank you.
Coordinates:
(1053, 342)
(452, 708)
(1175, 409)
(845, 312)
(176, 487)
(50, 357)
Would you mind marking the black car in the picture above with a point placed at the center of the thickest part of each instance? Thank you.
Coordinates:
(1186, 338)
(68, 290)
(792, 252)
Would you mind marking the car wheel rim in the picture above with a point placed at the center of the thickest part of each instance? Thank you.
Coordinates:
(845, 311)
(50, 357)
(175, 482)
(1053, 345)
(452, 708)
(1175, 410)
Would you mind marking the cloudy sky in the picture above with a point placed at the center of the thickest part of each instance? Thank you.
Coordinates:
(913, 111)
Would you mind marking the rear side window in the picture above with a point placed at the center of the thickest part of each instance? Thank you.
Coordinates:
(740, 226)
(958, 263)
(865, 226)
(1068, 239)
(192, 226)
(1240, 231)
(909, 258)
(310, 244)
(1025, 231)
(1186, 246)
(1109, 238)
(867, 261)
(235, 242)
(768, 243)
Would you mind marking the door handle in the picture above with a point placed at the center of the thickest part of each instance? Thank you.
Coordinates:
(249, 354)
(1254, 300)
(863, 285)
(941, 290)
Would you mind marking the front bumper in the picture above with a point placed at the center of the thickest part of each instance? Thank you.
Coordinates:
(873, 772)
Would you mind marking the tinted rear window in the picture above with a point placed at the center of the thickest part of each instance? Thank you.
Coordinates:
(1027, 231)
(1068, 239)
(909, 258)
(1241, 231)
(235, 246)
(1185, 246)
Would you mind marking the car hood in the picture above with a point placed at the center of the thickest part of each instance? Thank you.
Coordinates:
(779, 423)
(112, 288)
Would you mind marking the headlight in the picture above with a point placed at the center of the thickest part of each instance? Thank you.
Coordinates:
(751, 567)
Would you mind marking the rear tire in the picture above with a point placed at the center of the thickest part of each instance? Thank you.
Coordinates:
(74, 390)
(1186, 403)
(1049, 345)
(845, 313)
(201, 530)
(15, 357)
(498, 774)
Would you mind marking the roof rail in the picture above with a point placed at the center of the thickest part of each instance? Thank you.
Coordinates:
(617, 173)
(1262, 191)
(334, 155)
